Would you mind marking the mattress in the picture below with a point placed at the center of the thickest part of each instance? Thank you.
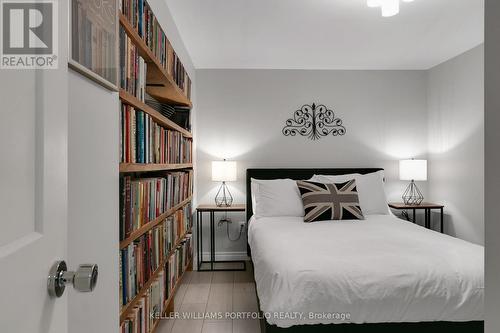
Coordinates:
(378, 270)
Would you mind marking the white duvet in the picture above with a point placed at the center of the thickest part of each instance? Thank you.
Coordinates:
(381, 269)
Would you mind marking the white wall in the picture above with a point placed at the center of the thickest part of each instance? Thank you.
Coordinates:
(242, 113)
(93, 202)
(456, 142)
(93, 189)
(389, 115)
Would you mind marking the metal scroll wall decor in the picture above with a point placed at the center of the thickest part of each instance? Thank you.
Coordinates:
(314, 121)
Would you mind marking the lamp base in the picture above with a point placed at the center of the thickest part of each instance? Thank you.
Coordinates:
(412, 195)
(223, 198)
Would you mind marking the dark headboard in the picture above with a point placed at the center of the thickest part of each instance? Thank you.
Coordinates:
(295, 174)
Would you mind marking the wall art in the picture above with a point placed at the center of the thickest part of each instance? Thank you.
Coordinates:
(315, 122)
(93, 50)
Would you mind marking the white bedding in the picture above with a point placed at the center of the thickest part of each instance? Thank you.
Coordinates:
(381, 269)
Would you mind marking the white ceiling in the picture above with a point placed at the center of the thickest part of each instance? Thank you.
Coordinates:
(326, 34)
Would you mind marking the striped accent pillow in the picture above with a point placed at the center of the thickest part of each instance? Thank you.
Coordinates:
(324, 202)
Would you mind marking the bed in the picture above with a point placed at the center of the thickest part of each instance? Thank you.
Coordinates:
(381, 274)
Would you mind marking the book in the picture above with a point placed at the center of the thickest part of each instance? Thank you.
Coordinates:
(133, 68)
(140, 137)
(140, 16)
(149, 255)
(143, 200)
(145, 141)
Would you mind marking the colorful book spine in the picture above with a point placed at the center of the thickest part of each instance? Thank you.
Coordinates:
(153, 253)
(142, 140)
(133, 68)
(153, 302)
(141, 18)
(145, 199)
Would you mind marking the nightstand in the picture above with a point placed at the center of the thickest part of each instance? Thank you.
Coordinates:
(427, 207)
(212, 263)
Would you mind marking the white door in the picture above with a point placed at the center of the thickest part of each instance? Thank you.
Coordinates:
(33, 193)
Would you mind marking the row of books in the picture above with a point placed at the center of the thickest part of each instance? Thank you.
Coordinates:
(141, 258)
(139, 320)
(142, 140)
(93, 40)
(180, 76)
(152, 304)
(142, 19)
(177, 263)
(132, 68)
(144, 199)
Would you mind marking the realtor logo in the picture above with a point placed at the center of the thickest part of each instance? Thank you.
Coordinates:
(29, 34)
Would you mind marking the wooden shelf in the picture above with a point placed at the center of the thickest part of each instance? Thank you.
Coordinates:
(142, 167)
(215, 208)
(177, 284)
(126, 310)
(170, 299)
(128, 98)
(151, 224)
(155, 326)
(159, 83)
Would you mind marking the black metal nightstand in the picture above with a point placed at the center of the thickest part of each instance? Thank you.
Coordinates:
(212, 209)
(426, 206)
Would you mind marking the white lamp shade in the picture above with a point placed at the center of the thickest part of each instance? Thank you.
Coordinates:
(224, 171)
(413, 170)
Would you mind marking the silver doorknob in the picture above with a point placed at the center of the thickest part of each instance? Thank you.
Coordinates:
(84, 279)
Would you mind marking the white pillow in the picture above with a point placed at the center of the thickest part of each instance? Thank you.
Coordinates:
(372, 197)
(334, 179)
(276, 197)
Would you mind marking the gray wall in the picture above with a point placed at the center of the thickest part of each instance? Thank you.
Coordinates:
(456, 142)
(492, 165)
(389, 115)
(243, 112)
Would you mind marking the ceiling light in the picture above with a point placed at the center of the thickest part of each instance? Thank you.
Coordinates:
(373, 3)
(388, 7)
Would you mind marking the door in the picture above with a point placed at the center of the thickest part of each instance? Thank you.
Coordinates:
(33, 193)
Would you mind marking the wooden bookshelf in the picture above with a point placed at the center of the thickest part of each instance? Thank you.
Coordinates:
(144, 167)
(169, 303)
(151, 224)
(160, 84)
(170, 298)
(126, 310)
(129, 99)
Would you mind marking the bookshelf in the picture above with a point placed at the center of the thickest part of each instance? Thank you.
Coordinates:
(139, 27)
(150, 225)
(160, 84)
(130, 305)
(129, 99)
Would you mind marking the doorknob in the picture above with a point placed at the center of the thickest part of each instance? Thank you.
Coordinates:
(84, 279)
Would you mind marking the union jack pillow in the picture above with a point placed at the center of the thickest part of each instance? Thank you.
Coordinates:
(324, 202)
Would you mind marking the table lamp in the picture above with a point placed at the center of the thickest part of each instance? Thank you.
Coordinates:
(223, 171)
(413, 170)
